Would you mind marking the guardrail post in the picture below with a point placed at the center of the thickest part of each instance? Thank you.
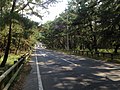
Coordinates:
(103, 54)
(92, 54)
(1, 70)
(1, 85)
(78, 52)
(16, 67)
(15, 62)
(97, 54)
(82, 52)
(111, 56)
(75, 51)
(87, 53)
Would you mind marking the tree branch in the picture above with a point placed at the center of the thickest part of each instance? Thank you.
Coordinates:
(24, 6)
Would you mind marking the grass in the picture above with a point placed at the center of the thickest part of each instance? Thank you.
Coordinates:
(11, 59)
(19, 80)
(107, 50)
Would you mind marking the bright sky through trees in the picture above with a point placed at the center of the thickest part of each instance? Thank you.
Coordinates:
(53, 11)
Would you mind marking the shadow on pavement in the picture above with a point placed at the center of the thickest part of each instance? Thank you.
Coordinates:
(86, 74)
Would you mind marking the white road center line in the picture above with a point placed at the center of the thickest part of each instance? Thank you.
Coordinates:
(38, 74)
(70, 62)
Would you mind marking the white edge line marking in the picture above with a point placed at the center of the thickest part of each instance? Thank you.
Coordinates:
(39, 76)
(70, 62)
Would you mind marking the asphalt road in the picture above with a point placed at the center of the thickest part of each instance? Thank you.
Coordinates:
(57, 71)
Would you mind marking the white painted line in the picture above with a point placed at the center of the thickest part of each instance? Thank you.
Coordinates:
(70, 62)
(39, 76)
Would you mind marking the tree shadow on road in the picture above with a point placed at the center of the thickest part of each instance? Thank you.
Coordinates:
(81, 74)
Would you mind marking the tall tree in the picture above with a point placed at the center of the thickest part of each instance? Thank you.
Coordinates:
(9, 35)
(94, 25)
(27, 7)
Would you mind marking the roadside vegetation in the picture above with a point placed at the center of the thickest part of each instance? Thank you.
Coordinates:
(17, 32)
(91, 25)
(11, 59)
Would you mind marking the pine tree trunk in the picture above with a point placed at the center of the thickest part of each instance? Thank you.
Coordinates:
(7, 47)
(94, 38)
(9, 36)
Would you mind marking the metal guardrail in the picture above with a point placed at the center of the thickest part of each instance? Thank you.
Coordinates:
(8, 77)
(98, 54)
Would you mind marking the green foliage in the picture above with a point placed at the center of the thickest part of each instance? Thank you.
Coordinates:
(11, 59)
(90, 24)
(17, 32)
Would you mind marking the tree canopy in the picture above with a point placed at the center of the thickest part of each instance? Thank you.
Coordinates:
(17, 31)
(89, 24)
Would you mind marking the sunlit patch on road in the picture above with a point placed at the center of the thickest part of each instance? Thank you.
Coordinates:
(59, 85)
(70, 78)
(66, 68)
(31, 61)
(114, 75)
(101, 74)
(44, 55)
(50, 62)
(66, 72)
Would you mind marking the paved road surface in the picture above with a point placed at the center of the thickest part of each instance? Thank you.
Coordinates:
(56, 71)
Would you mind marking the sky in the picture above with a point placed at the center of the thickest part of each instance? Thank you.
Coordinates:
(54, 11)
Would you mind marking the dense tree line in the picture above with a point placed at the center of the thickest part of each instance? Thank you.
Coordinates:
(86, 24)
(17, 32)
